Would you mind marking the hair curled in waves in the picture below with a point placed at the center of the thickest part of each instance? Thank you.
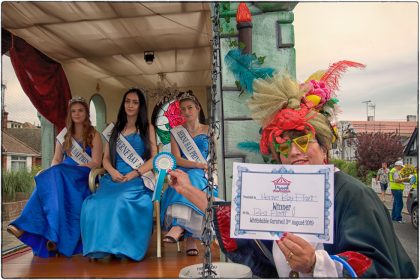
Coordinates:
(142, 125)
(88, 129)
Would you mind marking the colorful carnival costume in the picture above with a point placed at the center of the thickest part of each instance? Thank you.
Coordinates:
(370, 247)
(118, 218)
(53, 210)
(176, 210)
(365, 244)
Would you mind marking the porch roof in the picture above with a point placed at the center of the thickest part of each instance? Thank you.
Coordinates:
(12, 145)
(107, 40)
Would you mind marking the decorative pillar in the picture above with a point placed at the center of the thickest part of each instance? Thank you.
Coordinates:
(47, 142)
(244, 26)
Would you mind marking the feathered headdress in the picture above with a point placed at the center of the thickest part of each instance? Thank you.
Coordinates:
(281, 104)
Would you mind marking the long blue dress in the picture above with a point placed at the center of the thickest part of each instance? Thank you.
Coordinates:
(117, 219)
(53, 210)
(191, 222)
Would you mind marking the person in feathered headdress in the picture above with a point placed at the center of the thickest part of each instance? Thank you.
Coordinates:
(298, 127)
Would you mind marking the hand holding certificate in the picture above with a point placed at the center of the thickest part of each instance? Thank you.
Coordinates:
(271, 199)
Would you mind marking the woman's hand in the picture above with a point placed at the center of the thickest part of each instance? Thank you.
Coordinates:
(179, 180)
(117, 176)
(299, 254)
(202, 165)
(130, 176)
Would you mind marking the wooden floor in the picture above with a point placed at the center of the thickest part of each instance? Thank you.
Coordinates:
(24, 264)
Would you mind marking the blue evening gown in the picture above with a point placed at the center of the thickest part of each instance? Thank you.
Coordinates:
(190, 217)
(53, 210)
(117, 219)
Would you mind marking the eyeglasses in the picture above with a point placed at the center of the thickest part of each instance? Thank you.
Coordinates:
(301, 143)
(77, 99)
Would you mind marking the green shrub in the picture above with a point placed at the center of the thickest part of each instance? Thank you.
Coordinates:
(17, 181)
(370, 174)
(348, 167)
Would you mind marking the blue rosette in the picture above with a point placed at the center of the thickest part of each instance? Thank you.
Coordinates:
(162, 162)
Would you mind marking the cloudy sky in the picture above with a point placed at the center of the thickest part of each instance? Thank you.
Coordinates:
(382, 35)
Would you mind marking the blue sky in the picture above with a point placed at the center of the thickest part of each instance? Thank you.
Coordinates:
(382, 35)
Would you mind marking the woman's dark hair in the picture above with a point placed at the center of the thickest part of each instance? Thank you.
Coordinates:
(188, 95)
(142, 125)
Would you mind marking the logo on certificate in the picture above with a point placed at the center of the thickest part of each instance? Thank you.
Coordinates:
(281, 185)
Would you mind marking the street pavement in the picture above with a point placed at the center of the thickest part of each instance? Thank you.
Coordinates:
(406, 233)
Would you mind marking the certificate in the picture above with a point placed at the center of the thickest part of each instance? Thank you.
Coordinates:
(269, 199)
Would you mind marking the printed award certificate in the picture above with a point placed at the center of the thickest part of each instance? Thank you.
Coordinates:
(269, 199)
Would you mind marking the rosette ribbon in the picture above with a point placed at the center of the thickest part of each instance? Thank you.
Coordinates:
(162, 162)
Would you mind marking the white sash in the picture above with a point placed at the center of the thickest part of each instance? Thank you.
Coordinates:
(130, 156)
(189, 148)
(187, 144)
(76, 151)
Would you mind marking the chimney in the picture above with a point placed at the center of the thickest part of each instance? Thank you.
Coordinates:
(4, 120)
(411, 118)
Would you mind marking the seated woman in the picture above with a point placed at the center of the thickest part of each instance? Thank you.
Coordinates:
(179, 215)
(297, 129)
(50, 221)
(117, 219)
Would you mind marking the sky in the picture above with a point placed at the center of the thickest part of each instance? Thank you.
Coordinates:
(382, 35)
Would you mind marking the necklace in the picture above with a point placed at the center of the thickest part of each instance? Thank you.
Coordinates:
(194, 130)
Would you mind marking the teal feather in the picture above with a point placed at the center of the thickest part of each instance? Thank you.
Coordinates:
(246, 68)
(249, 146)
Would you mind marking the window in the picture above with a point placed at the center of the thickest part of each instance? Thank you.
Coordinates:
(18, 163)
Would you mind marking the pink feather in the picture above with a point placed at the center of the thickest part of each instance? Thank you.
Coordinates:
(333, 74)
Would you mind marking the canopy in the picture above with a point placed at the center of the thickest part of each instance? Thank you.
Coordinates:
(107, 40)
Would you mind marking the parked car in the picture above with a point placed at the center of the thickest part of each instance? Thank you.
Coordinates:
(413, 206)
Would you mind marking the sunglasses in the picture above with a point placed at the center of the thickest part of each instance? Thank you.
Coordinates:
(301, 143)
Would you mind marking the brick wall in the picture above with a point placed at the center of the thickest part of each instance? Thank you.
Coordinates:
(3, 162)
(12, 210)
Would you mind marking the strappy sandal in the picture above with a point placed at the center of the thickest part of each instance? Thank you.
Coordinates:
(51, 246)
(14, 231)
(192, 252)
(170, 239)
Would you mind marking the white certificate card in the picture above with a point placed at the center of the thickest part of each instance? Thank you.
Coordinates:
(269, 199)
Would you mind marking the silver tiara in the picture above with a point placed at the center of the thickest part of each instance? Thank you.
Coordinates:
(187, 95)
(77, 99)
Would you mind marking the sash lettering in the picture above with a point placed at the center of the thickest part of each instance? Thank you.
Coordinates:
(76, 151)
(189, 148)
(187, 144)
(130, 156)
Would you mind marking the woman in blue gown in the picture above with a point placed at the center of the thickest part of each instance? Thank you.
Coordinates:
(117, 219)
(179, 215)
(50, 221)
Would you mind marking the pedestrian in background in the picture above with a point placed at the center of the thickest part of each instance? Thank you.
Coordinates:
(383, 178)
(397, 188)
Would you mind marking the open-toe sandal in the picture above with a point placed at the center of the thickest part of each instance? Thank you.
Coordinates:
(192, 252)
(14, 230)
(170, 239)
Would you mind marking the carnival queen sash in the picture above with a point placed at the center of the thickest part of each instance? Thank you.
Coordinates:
(189, 148)
(76, 151)
(130, 156)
